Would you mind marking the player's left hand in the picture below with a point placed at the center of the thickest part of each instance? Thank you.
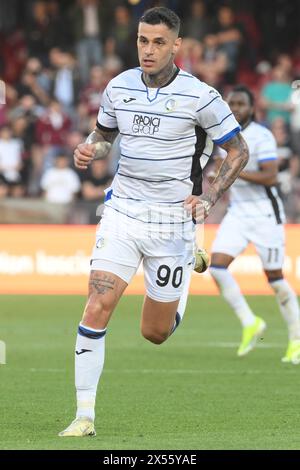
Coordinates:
(198, 207)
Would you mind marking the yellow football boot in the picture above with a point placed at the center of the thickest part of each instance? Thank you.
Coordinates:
(293, 352)
(250, 336)
(78, 428)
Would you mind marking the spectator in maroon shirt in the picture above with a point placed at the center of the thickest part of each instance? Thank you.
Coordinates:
(91, 95)
(52, 127)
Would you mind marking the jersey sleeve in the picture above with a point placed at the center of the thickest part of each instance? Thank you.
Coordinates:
(266, 148)
(215, 117)
(106, 119)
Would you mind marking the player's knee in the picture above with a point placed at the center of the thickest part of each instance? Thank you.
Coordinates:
(95, 310)
(220, 260)
(274, 275)
(155, 337)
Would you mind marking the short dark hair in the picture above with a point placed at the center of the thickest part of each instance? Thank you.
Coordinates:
(163, 15)
(244, 89)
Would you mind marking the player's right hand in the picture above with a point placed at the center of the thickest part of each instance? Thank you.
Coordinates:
(198, 206)
(83, 155)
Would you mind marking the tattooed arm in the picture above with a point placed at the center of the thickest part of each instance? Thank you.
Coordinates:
(97, 146)
(237, 157)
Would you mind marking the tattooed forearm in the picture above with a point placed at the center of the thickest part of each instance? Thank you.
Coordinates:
(237, 157)
(100, 283)
(99, 135)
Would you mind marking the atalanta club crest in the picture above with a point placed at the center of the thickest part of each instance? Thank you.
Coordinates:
(170, 105)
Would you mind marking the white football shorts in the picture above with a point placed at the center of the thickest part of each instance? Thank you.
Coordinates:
(122, 243)
(234, 234)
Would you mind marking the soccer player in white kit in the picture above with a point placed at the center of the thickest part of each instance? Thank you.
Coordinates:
(168, 121)
(255, 214)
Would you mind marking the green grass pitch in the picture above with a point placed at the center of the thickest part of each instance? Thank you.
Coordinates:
(190, 393)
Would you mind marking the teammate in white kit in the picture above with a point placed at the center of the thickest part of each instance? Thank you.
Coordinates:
(255, 214)
(168, 121)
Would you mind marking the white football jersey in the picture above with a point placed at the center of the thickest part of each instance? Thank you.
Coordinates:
(249, 199)
(159, 129)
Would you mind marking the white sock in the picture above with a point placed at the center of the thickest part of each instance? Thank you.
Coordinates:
(89, 360)
(183, 298)
(288, 305)
(232, 294)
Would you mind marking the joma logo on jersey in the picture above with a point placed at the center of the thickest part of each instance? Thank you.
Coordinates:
(145, 124)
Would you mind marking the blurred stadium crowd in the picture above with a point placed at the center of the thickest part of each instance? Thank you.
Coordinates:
(56, 58)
